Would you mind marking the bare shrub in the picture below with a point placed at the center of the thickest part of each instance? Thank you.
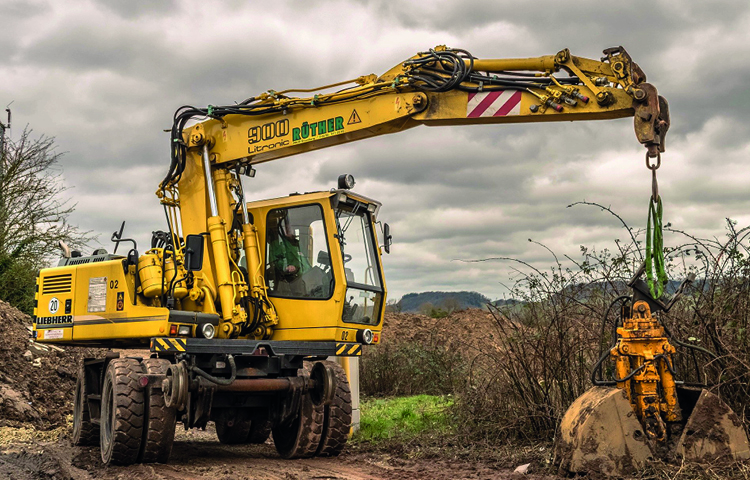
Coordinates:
(33, 215)
(410, 368)
(543, 348)
(717, 314)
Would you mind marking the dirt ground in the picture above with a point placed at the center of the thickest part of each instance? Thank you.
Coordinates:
(198, 455)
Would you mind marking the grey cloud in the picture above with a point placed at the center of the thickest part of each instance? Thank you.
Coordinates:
(139, 8)
(105, 78)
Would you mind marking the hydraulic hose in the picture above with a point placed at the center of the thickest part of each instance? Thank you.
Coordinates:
(433, 71)
(596, 369)
(217, 380)
(603, 355)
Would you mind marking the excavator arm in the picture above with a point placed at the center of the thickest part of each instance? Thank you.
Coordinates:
(440, 87)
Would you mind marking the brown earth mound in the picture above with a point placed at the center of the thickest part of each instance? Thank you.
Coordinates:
(36, 381)
(419, 354)
(472, 327)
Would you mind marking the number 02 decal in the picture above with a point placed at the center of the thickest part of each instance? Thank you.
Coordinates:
(113, 284)
(344, 335)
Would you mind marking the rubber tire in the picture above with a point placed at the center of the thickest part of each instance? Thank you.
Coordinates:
(260, 429)
(158, 431)
(300, 438)
(85, 433)
(238, 431)
(121, 426)
(337, 421)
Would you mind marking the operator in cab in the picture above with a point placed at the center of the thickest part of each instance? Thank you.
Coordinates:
(286, 262)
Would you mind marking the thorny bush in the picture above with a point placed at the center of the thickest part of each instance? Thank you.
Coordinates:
(410, 368)
(518, 380)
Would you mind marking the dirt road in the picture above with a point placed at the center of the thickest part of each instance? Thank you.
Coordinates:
(198, 455)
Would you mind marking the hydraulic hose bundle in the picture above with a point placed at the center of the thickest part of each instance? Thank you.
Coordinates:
(437, 70)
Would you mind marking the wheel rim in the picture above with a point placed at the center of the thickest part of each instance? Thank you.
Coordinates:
(77, 409)
(285, 437)
(107, 419)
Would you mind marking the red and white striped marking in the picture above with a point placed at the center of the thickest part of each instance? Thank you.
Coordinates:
(494, 104)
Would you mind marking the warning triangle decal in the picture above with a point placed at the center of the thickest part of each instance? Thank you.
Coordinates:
(354, 118)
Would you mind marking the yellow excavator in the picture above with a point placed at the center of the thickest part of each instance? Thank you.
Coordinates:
(243, 304)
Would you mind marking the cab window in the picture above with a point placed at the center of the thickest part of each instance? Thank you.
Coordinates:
(298, 260)
(364, 288)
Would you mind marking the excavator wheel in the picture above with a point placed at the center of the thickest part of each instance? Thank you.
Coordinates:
(158, 431)
(260, 429)
(337, 419)
(600, 434)
(232, 425)
(121, 423)
(300, 437)
(84, 431)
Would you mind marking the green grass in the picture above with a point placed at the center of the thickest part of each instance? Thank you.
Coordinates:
(424, 426)
(403, 418)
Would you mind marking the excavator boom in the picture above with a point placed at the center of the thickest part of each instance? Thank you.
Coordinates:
(440, 87)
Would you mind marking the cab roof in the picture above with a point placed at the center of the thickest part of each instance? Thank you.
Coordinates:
(298, 198)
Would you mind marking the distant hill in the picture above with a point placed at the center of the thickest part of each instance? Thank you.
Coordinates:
(454, 301)
(503, 302)
(411, 302)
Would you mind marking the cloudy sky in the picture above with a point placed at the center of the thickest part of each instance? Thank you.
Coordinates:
(104, 79)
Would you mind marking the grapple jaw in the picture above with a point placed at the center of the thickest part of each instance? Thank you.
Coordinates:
(713, 433)
(600, 434)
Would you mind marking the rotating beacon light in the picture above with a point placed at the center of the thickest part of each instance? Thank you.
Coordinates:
(346, 181)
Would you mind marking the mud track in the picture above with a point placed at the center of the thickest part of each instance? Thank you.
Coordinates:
(198, 455)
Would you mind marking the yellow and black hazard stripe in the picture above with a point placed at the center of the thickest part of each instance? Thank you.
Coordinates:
(162, 344)
(348, 349)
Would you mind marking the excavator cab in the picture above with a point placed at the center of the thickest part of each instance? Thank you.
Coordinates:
(321, 262)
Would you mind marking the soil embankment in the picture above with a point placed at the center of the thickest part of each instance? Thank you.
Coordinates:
(36, 381)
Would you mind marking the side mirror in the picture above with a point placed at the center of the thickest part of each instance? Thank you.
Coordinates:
(387, 238)
(194, 253)
(324, 258)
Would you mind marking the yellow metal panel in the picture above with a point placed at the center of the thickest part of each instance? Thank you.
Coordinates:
(54, 334)
(320, 334)
(52, 323)
(118, 318)
(305, 129)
